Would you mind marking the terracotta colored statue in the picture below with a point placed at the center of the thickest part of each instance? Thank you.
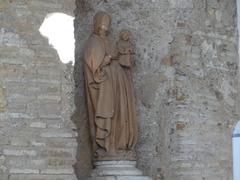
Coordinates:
(110, 96)
(124, 48)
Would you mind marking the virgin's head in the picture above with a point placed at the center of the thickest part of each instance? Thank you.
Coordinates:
(102, 21)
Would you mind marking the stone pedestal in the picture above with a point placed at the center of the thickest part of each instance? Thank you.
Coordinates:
(117, 170)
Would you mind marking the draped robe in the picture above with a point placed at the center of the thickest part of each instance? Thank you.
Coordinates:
(110, 99)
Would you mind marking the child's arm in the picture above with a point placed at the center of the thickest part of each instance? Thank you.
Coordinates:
(121, 48)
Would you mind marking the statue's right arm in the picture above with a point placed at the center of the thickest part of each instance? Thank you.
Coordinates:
(94, 57)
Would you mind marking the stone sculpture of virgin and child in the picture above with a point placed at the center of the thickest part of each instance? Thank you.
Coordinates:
(110, 94)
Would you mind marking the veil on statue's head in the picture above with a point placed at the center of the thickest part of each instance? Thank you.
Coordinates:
(99, 18)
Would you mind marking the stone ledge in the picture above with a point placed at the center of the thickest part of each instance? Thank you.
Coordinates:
(133, 178)
(117, 170)
(121, 178)
(41, 177)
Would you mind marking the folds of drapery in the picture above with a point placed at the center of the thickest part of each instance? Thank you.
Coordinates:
(110, 99)
(99, 91)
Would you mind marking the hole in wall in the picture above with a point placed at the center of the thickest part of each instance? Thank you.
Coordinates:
(59, 29)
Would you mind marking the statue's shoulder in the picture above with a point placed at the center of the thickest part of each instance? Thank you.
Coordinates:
(94, 43)
(93, 40)
(94, 52)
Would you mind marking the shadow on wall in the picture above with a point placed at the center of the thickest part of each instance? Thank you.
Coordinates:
(79, 117)
(59, 29)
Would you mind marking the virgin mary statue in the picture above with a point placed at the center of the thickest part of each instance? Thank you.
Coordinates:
(110, 96)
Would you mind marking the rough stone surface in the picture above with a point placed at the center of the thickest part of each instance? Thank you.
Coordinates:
(185, 77)
(186, 81)
(37, 136)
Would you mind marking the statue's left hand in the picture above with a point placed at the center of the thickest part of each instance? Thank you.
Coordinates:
(107, 59)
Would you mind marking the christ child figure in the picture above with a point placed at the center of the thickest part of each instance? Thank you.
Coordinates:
(124, 48)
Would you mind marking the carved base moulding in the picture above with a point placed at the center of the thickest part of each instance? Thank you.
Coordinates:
(117, 170)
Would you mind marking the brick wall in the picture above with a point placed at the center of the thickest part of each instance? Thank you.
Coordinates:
(37, 136)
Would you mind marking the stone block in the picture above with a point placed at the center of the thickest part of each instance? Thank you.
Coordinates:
(38, 143)
(16, 107)
(23, 171)
(3, 102)
(48, 5)
(62, 143)
(56, 98)
(56, 162)
(49, 109)
(55, 124)
(25, 52)
(53, 133)
(58, 171)
(21, 116)
(133, 178)
(38, 163)
(2, 159)
(16, 141)
(182, 4)
(3, 169)
(103, 178)
(11, 38)
(38, 125)
(26, 162)
(66, 153)
(41, 177)
(3, 4)
(4, 140)
(20, 97)
(20, 152)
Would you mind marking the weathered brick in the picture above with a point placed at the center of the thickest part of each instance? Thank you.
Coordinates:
(17, 162)
(55, 124)
(56, 162)
(62, 143)
(3, 102)
(16, 141)
(58, 171)
(54, 133)
(132, 178)
(47, 5)
(31, 84)
(38, 125)
(41, 177)
(3, 5)
(56, 98)
(60, 162)
(11, 38)
(4, 140)
(38, 143)
(15, 152)
(67, 153)
(24, 171)
(21, 115)
(2, 159)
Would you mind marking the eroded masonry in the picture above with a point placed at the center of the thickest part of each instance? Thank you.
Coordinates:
(185, 78)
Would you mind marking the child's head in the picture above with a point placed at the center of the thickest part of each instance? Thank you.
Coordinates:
(124, 35)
